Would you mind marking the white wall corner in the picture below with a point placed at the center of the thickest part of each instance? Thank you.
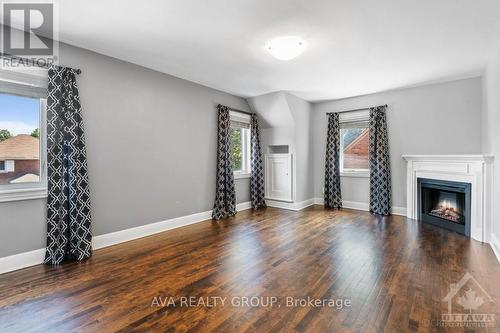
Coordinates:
(495, 246)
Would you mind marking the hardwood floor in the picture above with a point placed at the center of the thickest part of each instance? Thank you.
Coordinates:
(394, 271)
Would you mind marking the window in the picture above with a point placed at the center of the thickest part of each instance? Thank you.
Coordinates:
(22, 141)
(354, 145)
(239, 134)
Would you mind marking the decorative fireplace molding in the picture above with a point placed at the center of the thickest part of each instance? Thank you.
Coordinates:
(473, 169)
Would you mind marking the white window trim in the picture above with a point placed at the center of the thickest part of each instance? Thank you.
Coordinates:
(245, 141)
(241, 175)
(354, 116)
(351, 117)
(23, 194)
(28, 191)
(355, 173)
(37, 79)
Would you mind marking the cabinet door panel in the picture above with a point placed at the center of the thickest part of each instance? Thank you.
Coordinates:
(279, 177)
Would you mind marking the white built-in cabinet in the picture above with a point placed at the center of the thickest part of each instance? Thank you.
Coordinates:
(278, 177)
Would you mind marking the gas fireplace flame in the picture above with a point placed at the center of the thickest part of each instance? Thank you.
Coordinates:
(447, 204)
(447, 209)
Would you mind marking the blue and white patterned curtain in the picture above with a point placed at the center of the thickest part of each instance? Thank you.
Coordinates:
(380, 164)
(69, 234)
(333, 197)
(256, 166)
(225, 195)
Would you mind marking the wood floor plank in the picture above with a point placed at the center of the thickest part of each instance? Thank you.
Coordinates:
(394, 271)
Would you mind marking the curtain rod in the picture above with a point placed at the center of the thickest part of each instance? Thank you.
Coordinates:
(360, 109)
(241, 111)
(47, 66)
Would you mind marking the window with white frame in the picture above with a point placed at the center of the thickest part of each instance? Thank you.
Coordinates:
(22, 138)
(239, 134)
(354, 144)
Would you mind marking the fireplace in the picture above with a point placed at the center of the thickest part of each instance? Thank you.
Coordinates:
(472, 170)
(445, 204)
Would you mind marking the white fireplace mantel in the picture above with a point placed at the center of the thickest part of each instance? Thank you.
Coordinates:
(473, 169)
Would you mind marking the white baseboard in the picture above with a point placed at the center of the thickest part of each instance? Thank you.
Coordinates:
(364, 206)
(21, 260)
(35, 257)
(495, 246)
(31, 258)
(355, 205)
(319, 201)
(399, 211)
(295, 206)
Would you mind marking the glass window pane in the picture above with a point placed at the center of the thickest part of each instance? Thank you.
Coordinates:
(19, 139)
(235, 135)
(355, 144)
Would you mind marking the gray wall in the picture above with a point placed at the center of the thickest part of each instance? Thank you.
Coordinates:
(491, 135)
(151, 141)
(304, 178)
(433, 119)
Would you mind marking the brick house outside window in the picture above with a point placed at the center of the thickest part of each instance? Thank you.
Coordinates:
(20, 160)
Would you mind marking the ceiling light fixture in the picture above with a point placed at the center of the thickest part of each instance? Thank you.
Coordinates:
(287, 47)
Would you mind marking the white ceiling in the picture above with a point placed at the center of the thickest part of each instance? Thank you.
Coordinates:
(355, 47)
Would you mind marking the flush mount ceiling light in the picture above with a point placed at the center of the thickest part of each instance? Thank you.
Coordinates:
(287, 47)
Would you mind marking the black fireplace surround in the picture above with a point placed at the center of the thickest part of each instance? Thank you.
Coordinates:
(445, 204)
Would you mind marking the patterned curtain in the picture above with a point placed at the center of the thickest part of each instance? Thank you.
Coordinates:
(69, 235)
(225, 197)
(333, 197)
(380, 168)
(257, 169)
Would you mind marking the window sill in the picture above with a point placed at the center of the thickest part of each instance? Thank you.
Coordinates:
(23, 194)
(355, 174)
(241, 175)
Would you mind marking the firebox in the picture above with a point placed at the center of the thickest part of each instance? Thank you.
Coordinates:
(445, 204)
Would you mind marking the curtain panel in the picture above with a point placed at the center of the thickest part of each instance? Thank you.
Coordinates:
(333, 197)
(256, 165)
(225, 195)
(380, 164)
(69, 234)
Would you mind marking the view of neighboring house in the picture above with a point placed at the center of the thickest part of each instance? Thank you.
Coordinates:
(356, 153)
(19, 160)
